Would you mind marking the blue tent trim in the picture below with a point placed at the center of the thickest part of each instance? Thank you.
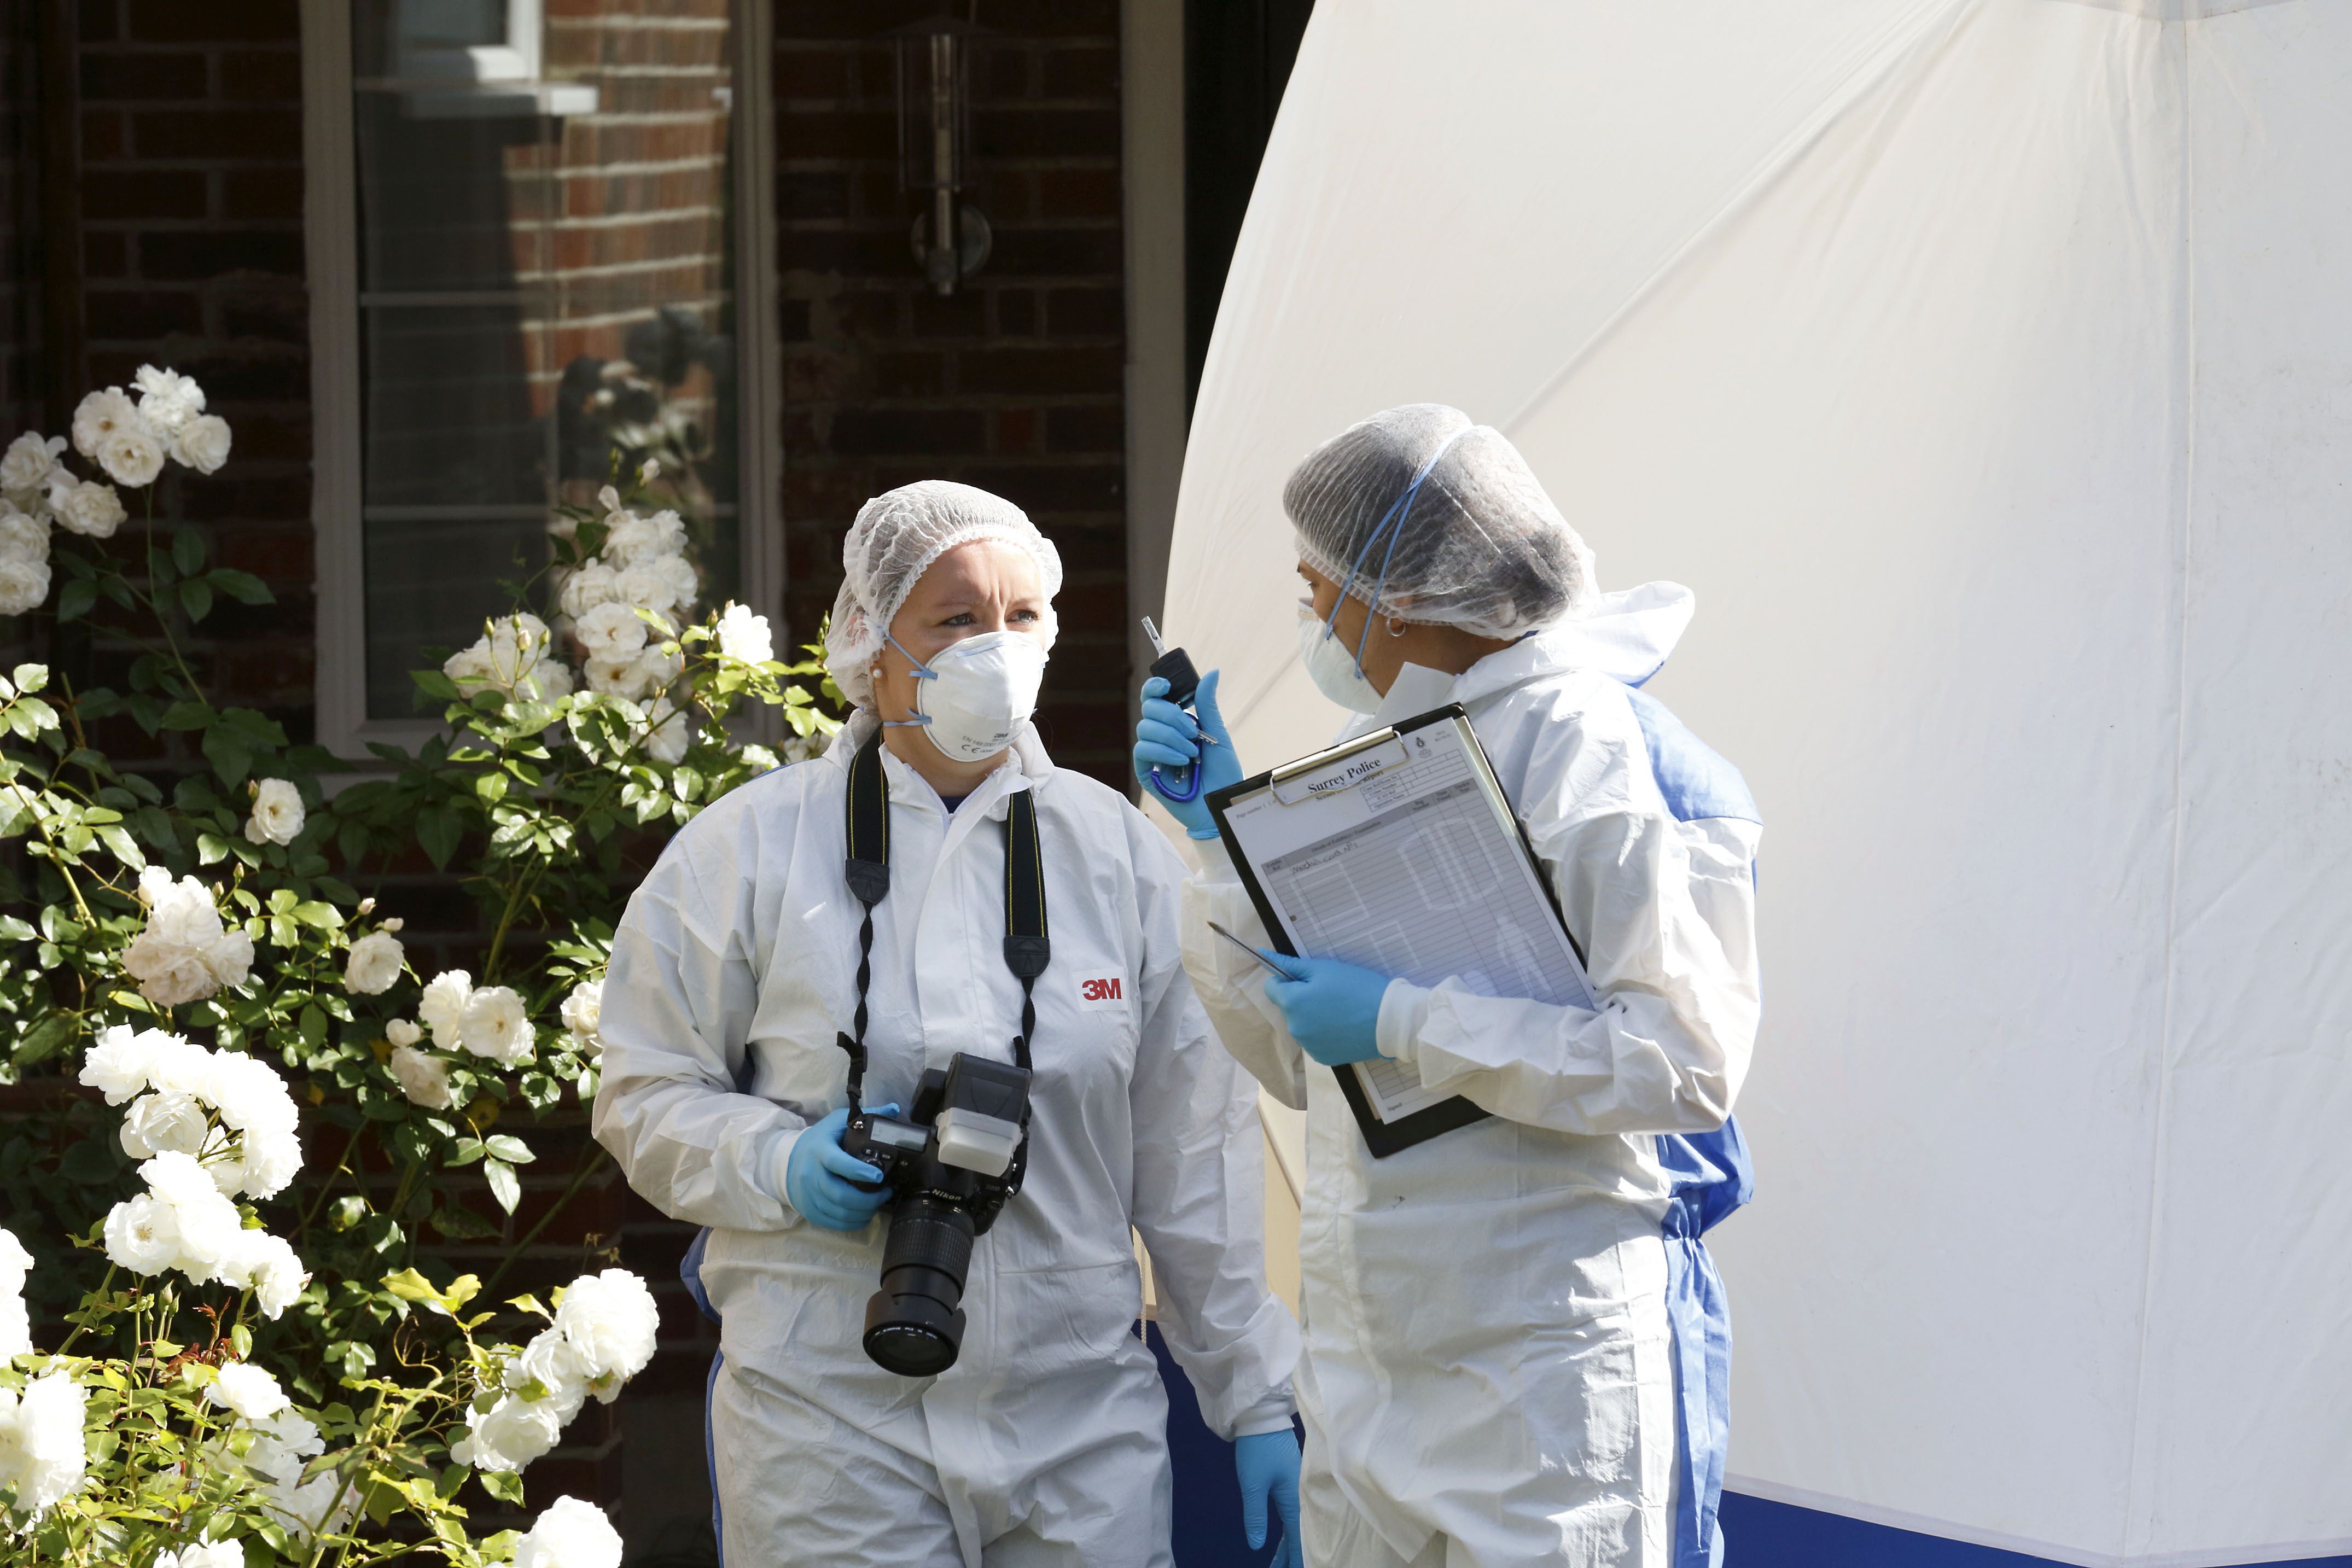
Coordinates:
(1782, 1535)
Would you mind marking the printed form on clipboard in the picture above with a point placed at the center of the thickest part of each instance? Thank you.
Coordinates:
(1399, 850)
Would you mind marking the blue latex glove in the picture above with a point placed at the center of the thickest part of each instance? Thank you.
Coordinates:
(1268, 1464)
(1333, 1009)
(1170, 736)
(817, 1176)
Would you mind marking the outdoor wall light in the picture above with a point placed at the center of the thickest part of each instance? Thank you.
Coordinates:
(950, 239)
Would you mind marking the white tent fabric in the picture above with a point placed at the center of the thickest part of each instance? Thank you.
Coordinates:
(1986, 367)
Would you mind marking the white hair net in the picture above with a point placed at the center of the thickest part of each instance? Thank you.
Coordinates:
(1425, 517)
(895, 537)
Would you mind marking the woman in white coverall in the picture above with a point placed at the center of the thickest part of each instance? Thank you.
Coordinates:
(734, 972)
(1516, 1348)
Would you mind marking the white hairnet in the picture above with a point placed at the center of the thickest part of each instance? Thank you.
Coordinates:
(895, 537)
(1425, 517)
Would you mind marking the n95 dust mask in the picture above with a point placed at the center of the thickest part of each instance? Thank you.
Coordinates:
(975, 693)
(1330, 663)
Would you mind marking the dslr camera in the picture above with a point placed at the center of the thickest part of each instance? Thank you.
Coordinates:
(950, 1165)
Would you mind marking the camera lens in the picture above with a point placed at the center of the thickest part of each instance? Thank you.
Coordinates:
(913, 1325)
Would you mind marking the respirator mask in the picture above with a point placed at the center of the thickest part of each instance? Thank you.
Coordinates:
(972, 694)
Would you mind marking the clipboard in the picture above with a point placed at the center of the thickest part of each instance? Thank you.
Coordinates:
(1413, 811)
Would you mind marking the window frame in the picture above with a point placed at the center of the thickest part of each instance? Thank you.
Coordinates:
(330, 225)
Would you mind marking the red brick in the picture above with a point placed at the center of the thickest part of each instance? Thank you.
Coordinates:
(210, 254)
(142, 193)
(1078, 193)
(117, 313)
(104, 134)
(836, 133)
(811, 72)
(1041, 132)
(1101, 430)
(262, 194)
(1016, 430)
(1049, 253)
(1016, 312)
(921, 373)
(1086, 312)
(1042, 369)
(104, 254)
(261, 133)
(181, 22)
(1081, 73)
(963, 314)
(909, 431)
(149, 74)
(273, 74)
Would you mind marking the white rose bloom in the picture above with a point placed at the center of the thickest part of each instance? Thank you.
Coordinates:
(24, 585)
(270, 1162)
(424, 1079)
(24, 470)
(495, 1026)
(745, 636)
(589, 585)
(15, 1264)
(118, 1065)
(167, 398)
(132, 454)
(611, 632)
(279, 1449)
(22, 535)
(209, 1224)
(550, 679)
(86, 507)
(504, 657)
(15, 1328)
(160, 1122)
(142, 1235)
(247, 1389)
(634, 539)
(374, 964)
(176, 1065)
(401, 1031)
(570, 1535)
(610, 1320)
(209, 1554)
(666, 742)
(184, 953)
(617, 677)
(42, 1452)
(268, 1267)
(685, 583)
(248, 1092)
(509, 1434)
(277, 813)
(645, 583)
(202, 443)
(582, 1010)
(443, 1004)
(99, 415)
(550, 1361)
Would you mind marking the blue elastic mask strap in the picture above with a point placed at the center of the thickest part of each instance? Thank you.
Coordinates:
(922, 673)
(1394, 515)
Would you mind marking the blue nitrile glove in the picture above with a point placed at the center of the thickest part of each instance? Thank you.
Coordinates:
(1268, 1463)
(1170, 736)
(817, 1176)
(1333, 1009)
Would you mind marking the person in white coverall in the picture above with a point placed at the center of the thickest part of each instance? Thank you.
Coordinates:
(732, 974)
(1516, 1349)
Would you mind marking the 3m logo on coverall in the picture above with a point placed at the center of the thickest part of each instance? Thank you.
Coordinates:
(1102, 995)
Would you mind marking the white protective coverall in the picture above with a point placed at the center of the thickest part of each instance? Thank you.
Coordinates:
(1046, 1443)
(1487, 1376)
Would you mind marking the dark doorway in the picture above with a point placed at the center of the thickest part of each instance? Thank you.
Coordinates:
(1237, 59)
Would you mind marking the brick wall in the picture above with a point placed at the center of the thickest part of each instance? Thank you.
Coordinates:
(1013, 384)
(193, 257)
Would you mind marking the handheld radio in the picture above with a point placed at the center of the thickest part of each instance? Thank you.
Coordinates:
(1175, 666)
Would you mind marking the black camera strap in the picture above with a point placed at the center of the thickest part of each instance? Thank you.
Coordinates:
(868, 871)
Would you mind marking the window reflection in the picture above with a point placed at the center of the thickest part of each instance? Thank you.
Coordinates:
(546, 296)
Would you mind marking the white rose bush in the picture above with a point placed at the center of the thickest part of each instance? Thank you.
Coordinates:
(231, 1332)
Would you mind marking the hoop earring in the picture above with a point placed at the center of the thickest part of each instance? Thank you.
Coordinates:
(1396, 627)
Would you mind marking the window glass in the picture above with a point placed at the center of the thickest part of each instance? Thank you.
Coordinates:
(546, 298)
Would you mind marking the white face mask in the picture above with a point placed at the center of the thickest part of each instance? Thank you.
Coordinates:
(1331, 664)
(975, 693)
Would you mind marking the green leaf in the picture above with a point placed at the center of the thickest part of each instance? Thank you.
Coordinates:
(439, 830)
(45, 1039)
(187, 549)
(504, 1185)
(229, 756)
(504, 1485)
(196, 598)
(30, 677)
(509, 1148)
(325, 917)
(160, 568)
(187, 716)
(434, 683)
(118, 840)
(259, 728)
(241, 586)
(211, 847)
(75, 599)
